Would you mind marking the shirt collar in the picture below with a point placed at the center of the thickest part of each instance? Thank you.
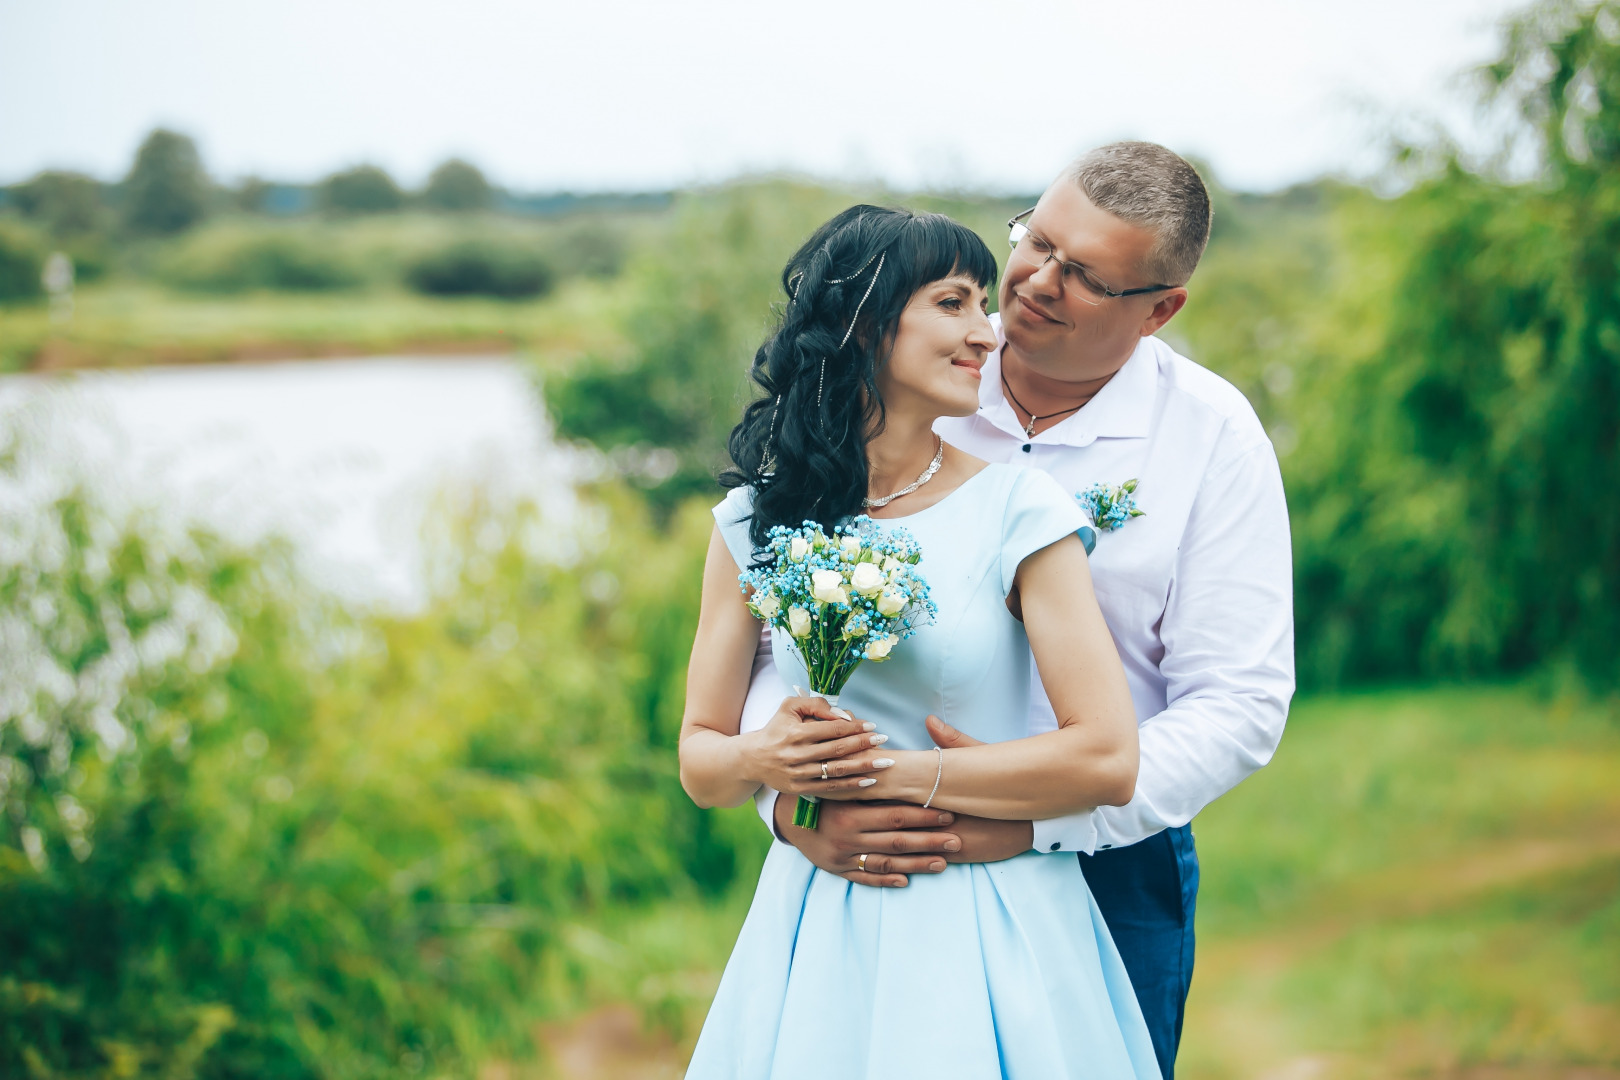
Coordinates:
(1122, 409)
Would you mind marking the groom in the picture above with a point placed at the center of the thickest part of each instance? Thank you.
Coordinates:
(1197, 589)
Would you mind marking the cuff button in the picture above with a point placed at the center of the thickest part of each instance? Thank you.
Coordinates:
(1055, 846)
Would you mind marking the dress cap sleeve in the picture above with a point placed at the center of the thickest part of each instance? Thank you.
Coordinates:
(732, 515)
(1039, 513)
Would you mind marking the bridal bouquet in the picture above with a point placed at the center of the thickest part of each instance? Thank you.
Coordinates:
(841, 599)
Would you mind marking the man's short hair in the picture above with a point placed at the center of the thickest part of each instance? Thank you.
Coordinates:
(1147, 185)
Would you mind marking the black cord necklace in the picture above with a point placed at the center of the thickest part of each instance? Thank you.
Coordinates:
(1029, 428)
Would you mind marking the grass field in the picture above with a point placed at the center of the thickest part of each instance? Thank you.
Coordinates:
(1424, 883)
(127, 324)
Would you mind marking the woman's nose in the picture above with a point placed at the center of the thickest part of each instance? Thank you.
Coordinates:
(981, 335)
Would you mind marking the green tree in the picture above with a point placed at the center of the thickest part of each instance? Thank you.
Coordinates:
(166, 190)
(458, 187)
(702, 308)
(21, 262)
(68, 204)
(364, 189)
(1452, 495)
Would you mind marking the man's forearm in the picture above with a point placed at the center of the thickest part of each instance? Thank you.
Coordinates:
(987, 840)
(1236, 736)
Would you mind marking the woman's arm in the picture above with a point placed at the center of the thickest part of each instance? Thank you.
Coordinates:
(722, 768)
(1091, 760)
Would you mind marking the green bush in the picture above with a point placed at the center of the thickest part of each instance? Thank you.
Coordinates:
(245, 835)
(590, 248)
(21, 263)
(364, 189)
(482, 268)
(234, 262)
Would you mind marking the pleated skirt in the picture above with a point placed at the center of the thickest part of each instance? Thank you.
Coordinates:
(987, 970)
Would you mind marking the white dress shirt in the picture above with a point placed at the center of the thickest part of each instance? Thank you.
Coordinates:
(1198, 592)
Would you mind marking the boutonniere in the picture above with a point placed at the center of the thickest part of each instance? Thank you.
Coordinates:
(1110, 507)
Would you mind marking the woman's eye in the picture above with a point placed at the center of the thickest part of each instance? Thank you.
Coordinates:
(952, 302)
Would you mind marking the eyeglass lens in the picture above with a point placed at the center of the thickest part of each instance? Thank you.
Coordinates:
(1037, 252)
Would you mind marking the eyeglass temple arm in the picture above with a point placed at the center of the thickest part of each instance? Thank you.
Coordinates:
(1017, 219)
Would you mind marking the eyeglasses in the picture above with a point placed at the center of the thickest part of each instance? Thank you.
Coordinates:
(1077, 280)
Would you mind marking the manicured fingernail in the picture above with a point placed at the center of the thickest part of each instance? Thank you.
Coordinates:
(879, 740)
(869, 726)
(946, 818)
(936, 867)
(953, 845)
(866, 781)
(882, 763)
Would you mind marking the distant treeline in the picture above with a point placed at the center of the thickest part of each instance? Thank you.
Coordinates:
(168, 190)
(144, 225)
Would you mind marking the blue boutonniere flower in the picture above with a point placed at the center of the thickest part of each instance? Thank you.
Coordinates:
(1110, 507)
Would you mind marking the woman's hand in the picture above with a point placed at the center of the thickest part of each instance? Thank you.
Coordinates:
(788, 752)
(905, 776)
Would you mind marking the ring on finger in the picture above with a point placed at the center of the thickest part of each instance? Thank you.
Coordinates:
(860, 863)
(824, 774)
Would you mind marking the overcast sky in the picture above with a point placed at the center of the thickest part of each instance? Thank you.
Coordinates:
(641, 94)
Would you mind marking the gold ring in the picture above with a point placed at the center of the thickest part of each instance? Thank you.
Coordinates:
(860, 864)
(824, 775)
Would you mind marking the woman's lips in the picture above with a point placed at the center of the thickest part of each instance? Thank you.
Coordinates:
(971, 367)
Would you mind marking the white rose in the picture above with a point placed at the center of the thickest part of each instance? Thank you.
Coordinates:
(767, 606)
(890, 564)
(878, 648)
(828, 587)
(850, 546)
(799, 549)
(890, 603)
(867, 579)
(798, 621)
(854, 629)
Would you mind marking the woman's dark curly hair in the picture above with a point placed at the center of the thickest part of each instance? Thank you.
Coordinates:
(803, 444)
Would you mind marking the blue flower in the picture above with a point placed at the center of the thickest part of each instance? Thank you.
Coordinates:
(1110, 507)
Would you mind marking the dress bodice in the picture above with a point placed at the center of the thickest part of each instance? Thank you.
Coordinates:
(970, 666)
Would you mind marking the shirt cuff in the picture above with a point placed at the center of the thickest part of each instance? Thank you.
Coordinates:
(765, 802)
(1077, 832)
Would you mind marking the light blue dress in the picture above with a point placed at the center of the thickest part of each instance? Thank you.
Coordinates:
(988, 970)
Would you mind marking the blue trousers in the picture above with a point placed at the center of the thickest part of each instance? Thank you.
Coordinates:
(1147, 893)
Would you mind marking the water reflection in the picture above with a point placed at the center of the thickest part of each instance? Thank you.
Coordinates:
(346, 457)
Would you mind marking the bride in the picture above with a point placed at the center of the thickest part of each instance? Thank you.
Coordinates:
(985, 970)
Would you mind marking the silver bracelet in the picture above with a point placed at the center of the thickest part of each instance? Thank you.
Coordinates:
(937, 775)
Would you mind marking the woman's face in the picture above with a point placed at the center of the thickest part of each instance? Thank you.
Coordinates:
(941, 342)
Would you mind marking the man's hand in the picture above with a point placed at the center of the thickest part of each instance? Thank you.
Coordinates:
(896, 839)
(983, 839)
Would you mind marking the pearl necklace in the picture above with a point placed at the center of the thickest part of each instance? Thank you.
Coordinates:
(928, 474)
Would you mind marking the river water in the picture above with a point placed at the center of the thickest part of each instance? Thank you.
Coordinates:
(347, 458)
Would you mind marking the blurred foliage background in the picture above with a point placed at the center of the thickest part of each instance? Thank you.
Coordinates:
(250, 834)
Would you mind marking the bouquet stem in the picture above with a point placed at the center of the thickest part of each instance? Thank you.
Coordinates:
(807, 811)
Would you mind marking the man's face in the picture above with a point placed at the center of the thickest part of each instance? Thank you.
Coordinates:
(1054, 330)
